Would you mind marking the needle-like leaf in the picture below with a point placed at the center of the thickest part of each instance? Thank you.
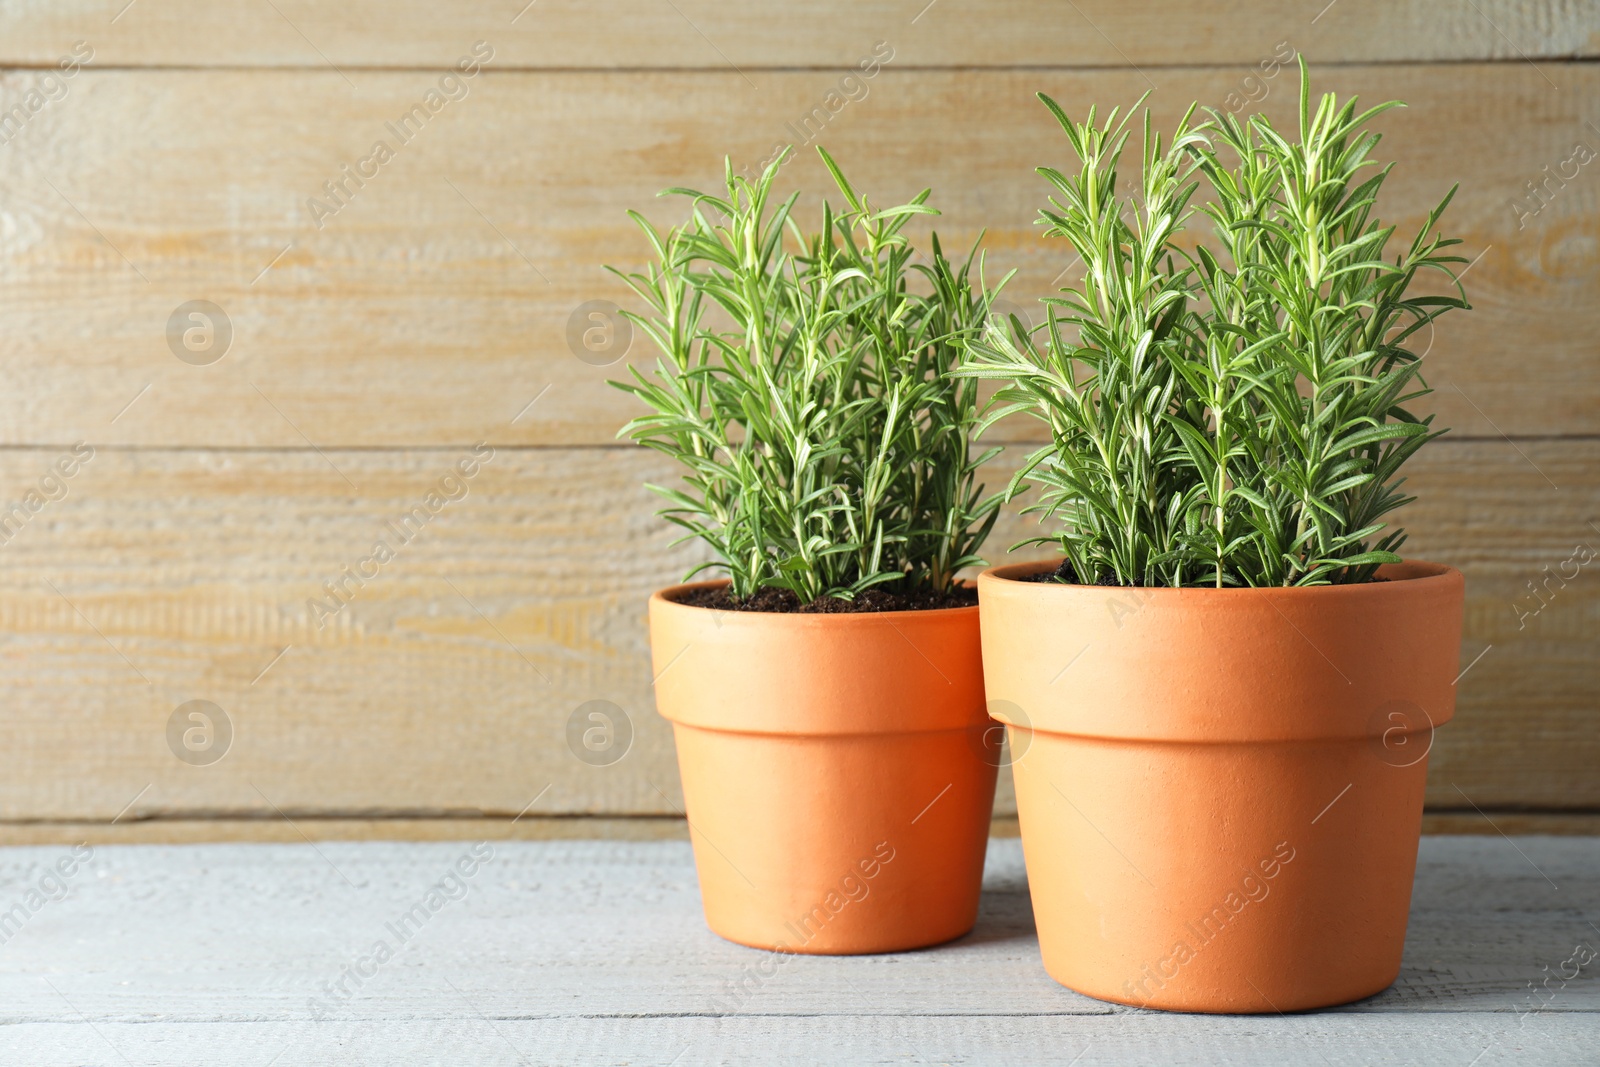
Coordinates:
(1233, 415)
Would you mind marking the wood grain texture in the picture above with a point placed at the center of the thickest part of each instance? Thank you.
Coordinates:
(596, 952)
(180, 831)
(274, 828)
(372, 346)
(445, 684)
(701, 34)
(434, 307)
(184, 576)
(1567, 824)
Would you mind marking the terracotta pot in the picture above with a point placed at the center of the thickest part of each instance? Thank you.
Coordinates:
(1220, 790)
(838, 771)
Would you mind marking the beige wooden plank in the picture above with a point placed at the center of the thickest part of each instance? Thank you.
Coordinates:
(129, 831)
(1527, 729)
(1562, 824)
(591, 827)
(434, 307)
(168, 577)
(165, 577)
(701, 34)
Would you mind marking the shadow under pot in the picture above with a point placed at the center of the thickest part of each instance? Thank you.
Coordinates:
(838, 771)
(1220, 790)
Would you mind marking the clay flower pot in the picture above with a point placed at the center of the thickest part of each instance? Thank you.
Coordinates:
(838, 773)
(1220, 790)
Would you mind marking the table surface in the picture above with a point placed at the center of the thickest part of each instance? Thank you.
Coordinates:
(595, 952)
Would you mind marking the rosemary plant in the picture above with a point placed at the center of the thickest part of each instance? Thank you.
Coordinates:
(1230, 416)
(802, 382)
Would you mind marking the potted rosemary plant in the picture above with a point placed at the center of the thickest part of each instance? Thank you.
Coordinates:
(827, 694)
(1230, 678)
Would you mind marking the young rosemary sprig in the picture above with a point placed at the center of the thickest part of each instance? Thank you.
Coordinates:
(803, 385)
(1235, 416)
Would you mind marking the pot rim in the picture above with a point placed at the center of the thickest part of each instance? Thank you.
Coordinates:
(1405, 575)
(1204, 664)
(844, 618)
(783, 673)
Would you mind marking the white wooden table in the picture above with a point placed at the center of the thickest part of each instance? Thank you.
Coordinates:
(595, 952)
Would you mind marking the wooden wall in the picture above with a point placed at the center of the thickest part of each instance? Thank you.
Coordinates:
(374, 346)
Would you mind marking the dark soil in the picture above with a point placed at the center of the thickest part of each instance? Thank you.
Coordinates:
(873, 600)
(1067, 575)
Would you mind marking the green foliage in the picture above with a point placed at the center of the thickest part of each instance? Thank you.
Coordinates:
(1227, 417)
(804, 387)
